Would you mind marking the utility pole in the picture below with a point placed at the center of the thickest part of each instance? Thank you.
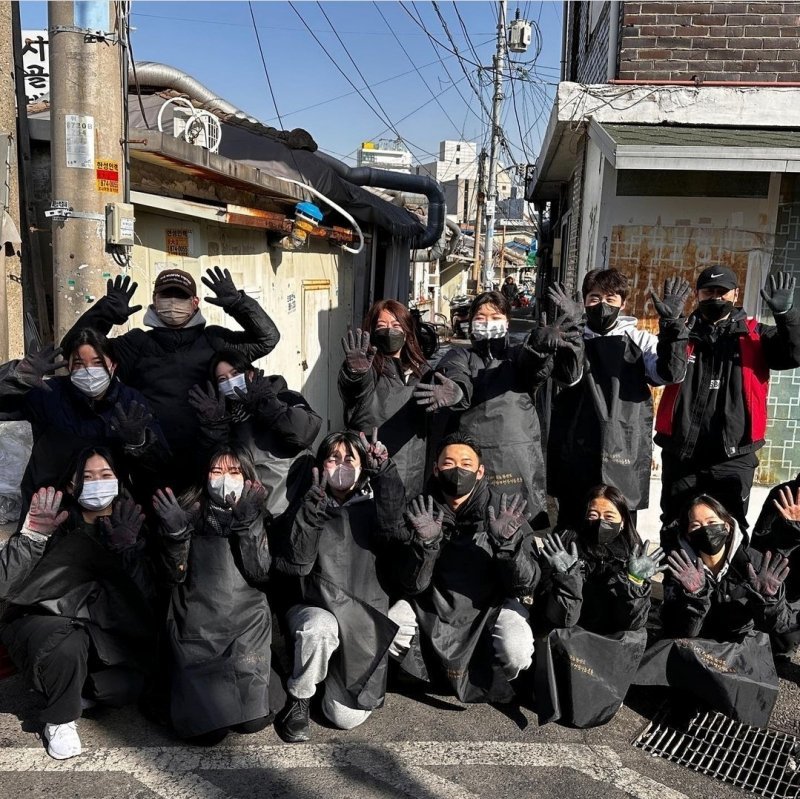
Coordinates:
(87, 158)
(480, 195)
(497, 102)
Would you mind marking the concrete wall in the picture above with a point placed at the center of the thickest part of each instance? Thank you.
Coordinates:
(712, 41)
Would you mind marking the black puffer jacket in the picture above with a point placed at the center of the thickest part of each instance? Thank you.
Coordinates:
(457, 586)
(164, 363)
(596, 593)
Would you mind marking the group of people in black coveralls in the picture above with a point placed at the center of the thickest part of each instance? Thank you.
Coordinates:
(178, 503)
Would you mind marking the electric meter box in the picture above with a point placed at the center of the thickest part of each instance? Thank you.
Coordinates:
(119, 224)
(520, 34)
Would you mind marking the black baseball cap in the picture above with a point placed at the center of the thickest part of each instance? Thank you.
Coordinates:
(717, 277)
(175, 279)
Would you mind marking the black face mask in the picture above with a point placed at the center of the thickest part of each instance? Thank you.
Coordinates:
(601, 317)
(457, 482)
(714, 310)
(599, 531)
(709, 539)
(389, 341)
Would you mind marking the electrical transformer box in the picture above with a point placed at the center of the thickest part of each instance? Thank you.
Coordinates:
(119, 224)
(520, 33)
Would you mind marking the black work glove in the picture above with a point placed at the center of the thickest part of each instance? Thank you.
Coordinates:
(257, 391)
(691, 576)
(546, 338)
(223, 286)
(358, 353)
(124, 524)
(35, 365)
(442, 393)
(316, 497)
(250, 504)
(119, 293)
(573, 309)
(175, 520)
(676, 292)
(130, 426)
(377, 454)
(780, 298)
(43, 516)
(504, 529)
(209, 405)
(427, 527)
(642, 566)
(559, 559)
(770, 577)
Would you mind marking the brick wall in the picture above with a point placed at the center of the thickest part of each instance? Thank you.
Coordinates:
(711, 41)
(589, 48)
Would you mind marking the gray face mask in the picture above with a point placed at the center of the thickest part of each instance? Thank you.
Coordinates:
(174, 311)
(91, 381)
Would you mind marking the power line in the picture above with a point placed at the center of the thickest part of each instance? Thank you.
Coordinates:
(264, 64)
(421, 25)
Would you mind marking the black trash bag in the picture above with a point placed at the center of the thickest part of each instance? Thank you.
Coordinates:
(736, 678)
(582, 677)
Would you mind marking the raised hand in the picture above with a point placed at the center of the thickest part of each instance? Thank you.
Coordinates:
(554, 552)
(316, 497)
(358, 354)
(130, 426)
(788, 506)
(546, 338)
(676, 292)
(426, 525)
(779, 292)
(560, 298)
(377, 454)
(442, 393)
(124, 524)
(209, 405)
(250, 504)
(119, 293)
(221, 283)
(769, 578)
(174, 519)
(691, 576)
(257, 389)
(504, 528)
(642, 566)
(43, 516)
(32, 369)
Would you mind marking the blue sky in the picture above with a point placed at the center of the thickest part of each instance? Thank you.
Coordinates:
(215, 42)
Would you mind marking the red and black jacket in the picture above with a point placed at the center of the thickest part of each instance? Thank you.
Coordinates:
(729, 365)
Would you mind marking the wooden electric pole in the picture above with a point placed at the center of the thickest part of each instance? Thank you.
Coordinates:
(87, 161)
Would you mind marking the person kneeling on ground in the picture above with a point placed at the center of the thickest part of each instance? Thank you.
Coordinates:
(466, 563)
(722, 600)
(80, 622)
(595, 598)
(338, 626)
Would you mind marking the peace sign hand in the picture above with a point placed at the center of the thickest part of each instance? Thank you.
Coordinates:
(377, 454)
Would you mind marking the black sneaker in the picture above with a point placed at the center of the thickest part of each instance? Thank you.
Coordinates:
(291, 723)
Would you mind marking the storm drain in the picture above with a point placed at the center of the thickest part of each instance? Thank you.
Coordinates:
(760, 760)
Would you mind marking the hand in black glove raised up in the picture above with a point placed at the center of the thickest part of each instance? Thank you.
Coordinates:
(175, 520)
(250, 504)
(124, 524)
(377, 454)
(690, 576)
(119, 293)
(504, 528)
(316, 497)
(573, 309)
(642, 566)
(557, 556)
(767, 581)
(676, 292)
(779, 292)
(130, 425)
(32, 369)
(257, 390)
(426, 525)
(209, 405)
(358, 354)
(221, 283)
(442, 393)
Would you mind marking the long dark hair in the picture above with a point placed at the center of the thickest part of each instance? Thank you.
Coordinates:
(234, 358)
(709, 501)
(197, 492)
(352, 446)
(411, 356)
(92, 338)
(628, 533)
(71, 482)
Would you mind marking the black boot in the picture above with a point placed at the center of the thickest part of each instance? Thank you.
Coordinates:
(292, 722)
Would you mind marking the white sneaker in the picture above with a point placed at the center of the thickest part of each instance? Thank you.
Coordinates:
(62, 740)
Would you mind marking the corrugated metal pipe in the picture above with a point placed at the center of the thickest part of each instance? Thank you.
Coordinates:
(443, 248)
(399, 181)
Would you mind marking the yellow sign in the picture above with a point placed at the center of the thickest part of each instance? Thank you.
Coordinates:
(177, 241)
(107, 176)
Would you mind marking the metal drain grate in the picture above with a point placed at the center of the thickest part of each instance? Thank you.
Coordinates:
(760, 760)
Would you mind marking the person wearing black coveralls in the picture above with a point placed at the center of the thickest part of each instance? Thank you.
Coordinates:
(219, 623)
(242, 407)
(778, 530)
(338, 546)
(80, 622)
(601, 428)
(466, 564)
(711, 425)
(494, 400)
(722, 600)
(593, 600)
(166, 361)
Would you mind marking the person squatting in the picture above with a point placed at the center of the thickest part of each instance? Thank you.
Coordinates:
(180, 517)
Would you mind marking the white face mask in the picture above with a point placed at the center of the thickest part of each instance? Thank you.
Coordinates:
(495, 328)
(92, 380)
(222, 486)
(344, 476)
(98, 494)
(228, 387)
(174, 311)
